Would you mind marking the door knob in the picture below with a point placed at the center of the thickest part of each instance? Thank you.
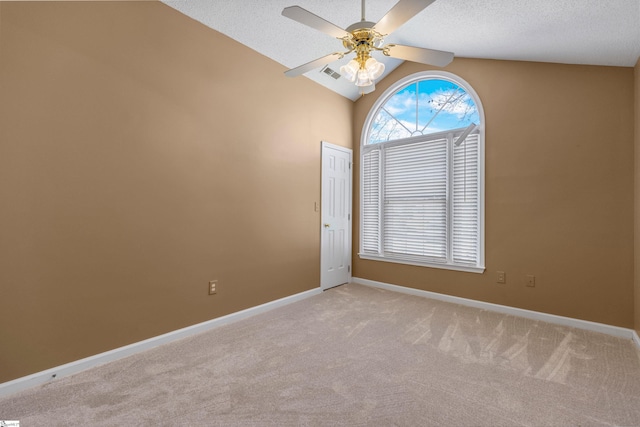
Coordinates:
(327, 225)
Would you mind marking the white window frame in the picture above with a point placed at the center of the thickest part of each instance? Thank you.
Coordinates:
(449, 264)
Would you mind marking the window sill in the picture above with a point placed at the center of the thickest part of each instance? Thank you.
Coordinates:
(465, 268)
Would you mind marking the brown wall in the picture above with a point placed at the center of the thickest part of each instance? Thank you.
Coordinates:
(637, 197)
(141, 156)
(559, 190)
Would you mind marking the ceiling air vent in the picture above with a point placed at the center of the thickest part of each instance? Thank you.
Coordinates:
(331, 73)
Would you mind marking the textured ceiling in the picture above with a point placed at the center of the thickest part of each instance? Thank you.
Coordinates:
(604, 32)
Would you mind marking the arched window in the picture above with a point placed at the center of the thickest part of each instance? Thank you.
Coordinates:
(422, 175)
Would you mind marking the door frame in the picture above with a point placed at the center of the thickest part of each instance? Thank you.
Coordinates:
(324, 146)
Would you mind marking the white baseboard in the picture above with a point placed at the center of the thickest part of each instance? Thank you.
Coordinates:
(109, 356)
(534, 315)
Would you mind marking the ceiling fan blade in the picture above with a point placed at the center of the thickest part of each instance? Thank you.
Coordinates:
(294, 72)
(399, 14)
(438, 58)
(305, 17)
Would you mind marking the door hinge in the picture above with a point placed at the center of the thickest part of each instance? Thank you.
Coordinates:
(348, 269)
(349, 165)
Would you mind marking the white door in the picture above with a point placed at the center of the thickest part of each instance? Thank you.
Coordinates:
(335, 253)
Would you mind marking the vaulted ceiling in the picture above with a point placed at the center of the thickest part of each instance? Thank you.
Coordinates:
(595, 32)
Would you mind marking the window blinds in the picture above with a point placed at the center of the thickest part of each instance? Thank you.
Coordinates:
(420, 200)
(371, 202)
(466, 201)
(415, 196)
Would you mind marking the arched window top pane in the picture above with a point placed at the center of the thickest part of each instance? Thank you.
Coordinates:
(423, 107)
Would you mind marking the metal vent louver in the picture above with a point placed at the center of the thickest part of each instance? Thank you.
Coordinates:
(331, 73)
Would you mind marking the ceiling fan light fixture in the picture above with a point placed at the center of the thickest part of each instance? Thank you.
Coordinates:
(364, 90)
(350, 70)
(374, 68)
(363, 79)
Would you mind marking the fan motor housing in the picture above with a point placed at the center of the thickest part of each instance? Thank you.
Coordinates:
(360, 25)
(361, 33)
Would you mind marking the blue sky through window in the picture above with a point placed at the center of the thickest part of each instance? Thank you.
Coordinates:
(422, 108)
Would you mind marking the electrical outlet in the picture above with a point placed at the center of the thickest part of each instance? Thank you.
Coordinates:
(530, 281)
(212, 287)
(502, 278)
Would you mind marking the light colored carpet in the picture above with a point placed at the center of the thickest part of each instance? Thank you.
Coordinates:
(354, 356)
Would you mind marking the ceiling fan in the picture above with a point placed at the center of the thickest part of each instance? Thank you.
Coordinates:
(365, 37)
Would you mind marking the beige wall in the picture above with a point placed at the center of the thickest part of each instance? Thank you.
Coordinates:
(141, 156)
(637, 197)
(559, 190)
